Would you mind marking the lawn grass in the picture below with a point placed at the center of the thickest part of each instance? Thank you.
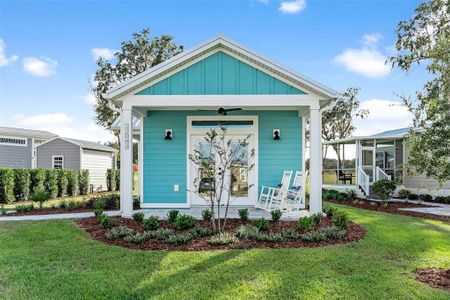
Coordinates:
(56, 260)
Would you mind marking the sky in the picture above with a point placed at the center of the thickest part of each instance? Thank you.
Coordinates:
(48, 51)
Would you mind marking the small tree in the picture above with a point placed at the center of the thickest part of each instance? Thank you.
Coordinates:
(215, 162)
(72, 182)
(40, 196)
(51, 182)
(63, 182)
(384, 189)
(22, 184)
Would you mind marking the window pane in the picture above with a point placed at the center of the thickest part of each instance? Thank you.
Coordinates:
(239, 170)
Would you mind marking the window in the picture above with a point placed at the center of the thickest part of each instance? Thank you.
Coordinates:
(13, 141)
(58, 161)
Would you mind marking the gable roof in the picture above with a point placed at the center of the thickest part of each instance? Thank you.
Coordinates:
(400, 132)
(23, 132)
(220, 42)
(84, 144)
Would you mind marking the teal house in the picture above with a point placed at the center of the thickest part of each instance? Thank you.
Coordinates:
(217, 84)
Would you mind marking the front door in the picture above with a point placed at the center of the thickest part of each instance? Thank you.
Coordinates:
(239, 180)
(367, 161)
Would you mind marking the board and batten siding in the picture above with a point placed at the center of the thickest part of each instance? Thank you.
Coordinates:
(70, 152)
(97, 162)
(165, 161)
(220, 74)
(16, 156)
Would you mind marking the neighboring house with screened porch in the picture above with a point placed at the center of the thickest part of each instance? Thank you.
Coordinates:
(218, 84)
(363, 160)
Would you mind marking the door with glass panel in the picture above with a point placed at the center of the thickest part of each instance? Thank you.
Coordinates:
(239, 180)
(366, 161)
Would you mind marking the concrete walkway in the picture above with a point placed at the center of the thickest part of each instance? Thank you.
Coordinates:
(437, 209)
(195, 211)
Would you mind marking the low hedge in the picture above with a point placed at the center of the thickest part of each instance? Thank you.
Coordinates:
(22, 181)
(83, 181)
(7, 185)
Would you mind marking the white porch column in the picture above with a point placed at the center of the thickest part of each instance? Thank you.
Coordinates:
(141, 160)
(315, 167)
(126, 163)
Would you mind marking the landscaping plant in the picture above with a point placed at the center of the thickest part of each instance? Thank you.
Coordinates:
(223, 238)
(184, 222)
(276, 215)
(426, 197)
(243, 214)
(40, 196)
(172, 215)
(138, 217)
(207, 215)
(151, 223)
(72, 183)
(63, 182)
(340, 219)
(83, 181)
(6, 185)
(51, 182)
(24, 208)
(384, 189)
(111, 179)
(260, 223)
(306, 223)
(22, 184)
(37, 177)
(403, 194)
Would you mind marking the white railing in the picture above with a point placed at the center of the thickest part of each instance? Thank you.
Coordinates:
(363, 180)
(380, 174)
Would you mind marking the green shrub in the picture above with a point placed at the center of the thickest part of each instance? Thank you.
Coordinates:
(37, 177)
(207, 215)
(136, 202)
(333, 232)
(260, 223)
(289, 234)
(22, 184)
(312, 236)
(107, 222)
(342, 197)
(269, 237)
(62, 204)
(442, 199)
(72, 183)
(99, 213)
(246, 232)
(6, 185)
(426, 197)
(160, 234)
(403, 194)
(98, 202)
(331, 194)
(276, 215)
(51, 182)
(3, 210)
(63, 182)
(340, 220)
(40, 196)
(172, 215)
(112, 201)
(306, 223)
(185, 222)
(83, 181)
(243, 214)
(111, 179)
(138, 238)
(201, 231)
(329, 210)
(179, 239)
(351, 195)
(413, 196)
(316, 218)
(223, 239)
(384, 189)
(151, 223)
(117, 173)
(118, 232)
(24, 208)
(74, 204)
(138, 217)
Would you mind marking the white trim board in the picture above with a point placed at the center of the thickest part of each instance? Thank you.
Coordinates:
(222, 43)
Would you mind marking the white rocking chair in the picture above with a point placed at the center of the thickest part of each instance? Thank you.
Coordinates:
(272, 197)
(295, 197)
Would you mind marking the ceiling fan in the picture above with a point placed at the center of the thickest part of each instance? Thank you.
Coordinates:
(224, 111)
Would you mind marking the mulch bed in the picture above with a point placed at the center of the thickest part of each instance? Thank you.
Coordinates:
(92, 227)
(392, 208)
(50, 211)
(437, 278)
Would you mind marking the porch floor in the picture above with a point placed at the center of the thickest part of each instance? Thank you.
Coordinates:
(196, 212)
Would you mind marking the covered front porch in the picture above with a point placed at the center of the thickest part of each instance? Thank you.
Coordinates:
(218, 85)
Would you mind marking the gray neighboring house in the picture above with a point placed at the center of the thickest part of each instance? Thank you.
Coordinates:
(66, 153)
(18, 146)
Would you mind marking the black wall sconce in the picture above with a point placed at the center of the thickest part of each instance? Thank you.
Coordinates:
(276, 134)
(168, 134)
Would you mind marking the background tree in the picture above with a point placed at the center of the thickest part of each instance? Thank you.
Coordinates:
(337, 123)
(425, 39)
(134, 57)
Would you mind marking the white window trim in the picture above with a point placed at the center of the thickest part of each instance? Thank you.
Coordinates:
(14, 137)
(53, 161)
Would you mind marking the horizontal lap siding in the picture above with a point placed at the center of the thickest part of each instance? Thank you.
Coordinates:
(97, 162)
(70, 152)
(165, 162)
(13, 156)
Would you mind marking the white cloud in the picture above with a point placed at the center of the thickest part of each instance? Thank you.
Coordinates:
(4, 60)
(89, 98)
(103, 52)
(292, 7)
(371, 39)
(383, 115)
(39, 67)
(367, 61)
(64, 126)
